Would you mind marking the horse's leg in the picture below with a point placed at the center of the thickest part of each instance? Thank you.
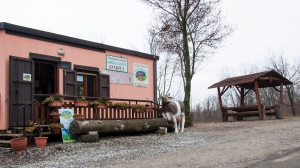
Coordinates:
(178, 124)
(182, 121)
(175, 123)
(165, 117)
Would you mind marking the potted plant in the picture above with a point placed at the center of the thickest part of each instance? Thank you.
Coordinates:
(120, 105)
(40, 141)
(54, 100)
(80, 101)
(100, 103)
(56, 127)
(138, 108)
(55, 115)
(18, 144)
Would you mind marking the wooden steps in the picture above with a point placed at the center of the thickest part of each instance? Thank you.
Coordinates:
(8, 135)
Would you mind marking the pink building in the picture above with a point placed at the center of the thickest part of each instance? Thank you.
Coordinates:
(36, 62)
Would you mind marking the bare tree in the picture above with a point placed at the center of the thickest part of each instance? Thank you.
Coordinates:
(191, 30)
(290, 71)
(167, 67)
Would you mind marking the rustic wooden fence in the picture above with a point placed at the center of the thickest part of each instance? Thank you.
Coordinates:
(42, 112)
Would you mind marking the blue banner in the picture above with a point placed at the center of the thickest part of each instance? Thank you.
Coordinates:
(66, 117)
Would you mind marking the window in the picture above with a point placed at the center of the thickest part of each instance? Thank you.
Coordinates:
(86, 84)
(86, 81)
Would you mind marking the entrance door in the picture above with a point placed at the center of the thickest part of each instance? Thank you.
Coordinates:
(21, 90)
(45, 80)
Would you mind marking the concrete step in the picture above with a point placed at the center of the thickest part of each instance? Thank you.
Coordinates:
(4, 141)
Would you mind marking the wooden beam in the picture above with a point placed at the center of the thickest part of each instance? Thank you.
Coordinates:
(224, 118)
(281, 94)
(269, 78)
(224, 90)
(242, 96)
(276, 88)
(258, 100)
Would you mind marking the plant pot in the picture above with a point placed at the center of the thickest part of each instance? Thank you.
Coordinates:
(119, 108)
(79, 117)
(100, 106)
(18, 144)
(55, 117)
(56, 130)
(40, 142)
(149, 109)
(137, 110)
(80, 103)
(55, 103)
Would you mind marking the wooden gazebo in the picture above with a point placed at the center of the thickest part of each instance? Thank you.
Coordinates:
(246, 83)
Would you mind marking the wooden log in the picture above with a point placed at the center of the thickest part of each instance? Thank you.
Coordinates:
(88, 138)
(117, 126)
(161, 130)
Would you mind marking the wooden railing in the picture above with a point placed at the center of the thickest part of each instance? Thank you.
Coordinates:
(42, 112)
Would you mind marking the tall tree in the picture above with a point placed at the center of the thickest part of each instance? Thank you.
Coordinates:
(290, 71)
(191, 30)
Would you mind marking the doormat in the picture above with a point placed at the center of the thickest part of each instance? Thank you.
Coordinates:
(5, 150)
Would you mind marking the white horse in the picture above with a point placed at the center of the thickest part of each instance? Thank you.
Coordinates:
(173, 110)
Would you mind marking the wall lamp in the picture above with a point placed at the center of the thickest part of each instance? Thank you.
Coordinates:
(61, 51)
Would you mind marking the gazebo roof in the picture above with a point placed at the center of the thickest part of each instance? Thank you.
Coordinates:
(265, 79)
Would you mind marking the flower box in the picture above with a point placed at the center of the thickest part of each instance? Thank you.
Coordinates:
(79, 117)
(100, 106)
(119, 108)
(137, 110)
(55, 103)
(80, 103)
(56, 130)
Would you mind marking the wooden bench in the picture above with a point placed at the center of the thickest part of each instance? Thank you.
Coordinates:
(247, 111)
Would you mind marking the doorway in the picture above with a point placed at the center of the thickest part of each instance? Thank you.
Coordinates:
(45, 78)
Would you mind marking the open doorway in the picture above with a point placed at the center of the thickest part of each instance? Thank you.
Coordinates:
(45, 78)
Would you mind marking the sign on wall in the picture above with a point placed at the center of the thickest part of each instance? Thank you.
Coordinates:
(140, 75)
(114, 63)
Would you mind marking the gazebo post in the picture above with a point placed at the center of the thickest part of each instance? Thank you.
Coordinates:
(258, 100)
(281, 96)
(242, 96)
(242, 103)
(224, 118)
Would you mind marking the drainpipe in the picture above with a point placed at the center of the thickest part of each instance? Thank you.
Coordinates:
(155, 80)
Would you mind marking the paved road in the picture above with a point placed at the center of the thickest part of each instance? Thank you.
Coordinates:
(290, 159)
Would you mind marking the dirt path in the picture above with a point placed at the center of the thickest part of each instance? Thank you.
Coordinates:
(234, 144)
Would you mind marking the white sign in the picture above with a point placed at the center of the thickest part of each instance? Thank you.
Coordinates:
(140, 75)
(26, 77)
(118, 64)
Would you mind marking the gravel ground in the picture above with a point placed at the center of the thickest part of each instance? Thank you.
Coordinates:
(228, 144)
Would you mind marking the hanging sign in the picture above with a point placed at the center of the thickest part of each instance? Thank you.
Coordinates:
(66, 117)
(140, 75)
(118, 64)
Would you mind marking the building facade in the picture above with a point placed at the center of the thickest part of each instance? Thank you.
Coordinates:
(36, 62)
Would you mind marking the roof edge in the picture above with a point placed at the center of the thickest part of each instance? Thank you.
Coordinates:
(67, 40)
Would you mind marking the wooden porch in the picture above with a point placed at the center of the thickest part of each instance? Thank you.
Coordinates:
(42, 112)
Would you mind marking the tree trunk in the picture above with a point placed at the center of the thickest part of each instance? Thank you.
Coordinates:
(117, 126)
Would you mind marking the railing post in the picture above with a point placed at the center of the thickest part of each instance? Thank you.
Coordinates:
(24, 122)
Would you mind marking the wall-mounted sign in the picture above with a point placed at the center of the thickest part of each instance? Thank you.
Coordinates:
(114, 63)
(26, 77)
(65, 65)
(140, 75)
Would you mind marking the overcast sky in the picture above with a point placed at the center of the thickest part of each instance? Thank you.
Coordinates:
(261, 26)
